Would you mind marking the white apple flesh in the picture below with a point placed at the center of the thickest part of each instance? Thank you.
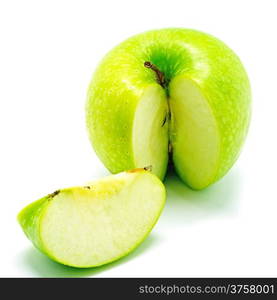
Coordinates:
(150, 131)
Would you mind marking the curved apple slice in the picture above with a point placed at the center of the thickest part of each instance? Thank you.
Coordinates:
(98, 223)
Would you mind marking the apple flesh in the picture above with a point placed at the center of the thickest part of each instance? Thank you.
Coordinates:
(92, 225)
(171, 92)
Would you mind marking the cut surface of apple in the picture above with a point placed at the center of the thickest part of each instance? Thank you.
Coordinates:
(150, 131)
(170, 93)
(194, 134)
(92, 225)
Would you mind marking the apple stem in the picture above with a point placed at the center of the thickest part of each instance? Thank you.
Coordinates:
(159, 75)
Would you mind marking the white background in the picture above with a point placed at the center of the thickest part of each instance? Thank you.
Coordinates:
(48, 51)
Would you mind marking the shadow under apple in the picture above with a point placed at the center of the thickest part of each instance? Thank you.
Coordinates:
(185, 205)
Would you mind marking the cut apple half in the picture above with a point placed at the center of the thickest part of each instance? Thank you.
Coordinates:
(92, 225)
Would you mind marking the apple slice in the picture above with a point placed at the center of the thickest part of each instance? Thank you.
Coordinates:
(92, 225)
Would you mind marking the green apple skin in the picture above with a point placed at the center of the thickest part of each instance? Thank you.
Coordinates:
(95, 224)
(121, 79)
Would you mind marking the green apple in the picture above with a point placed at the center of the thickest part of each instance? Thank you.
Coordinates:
(171, 93)
(92, 225)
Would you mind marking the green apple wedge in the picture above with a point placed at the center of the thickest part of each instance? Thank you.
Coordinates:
(92, 225)
(170, 93)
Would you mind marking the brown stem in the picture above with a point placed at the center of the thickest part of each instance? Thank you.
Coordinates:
(159, 75)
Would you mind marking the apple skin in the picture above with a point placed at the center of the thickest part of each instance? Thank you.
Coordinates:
(104, 195)
(121, 78)
(29, 218)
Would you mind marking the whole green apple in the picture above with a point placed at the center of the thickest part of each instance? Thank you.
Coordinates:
(98, 223)
(170, 92)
